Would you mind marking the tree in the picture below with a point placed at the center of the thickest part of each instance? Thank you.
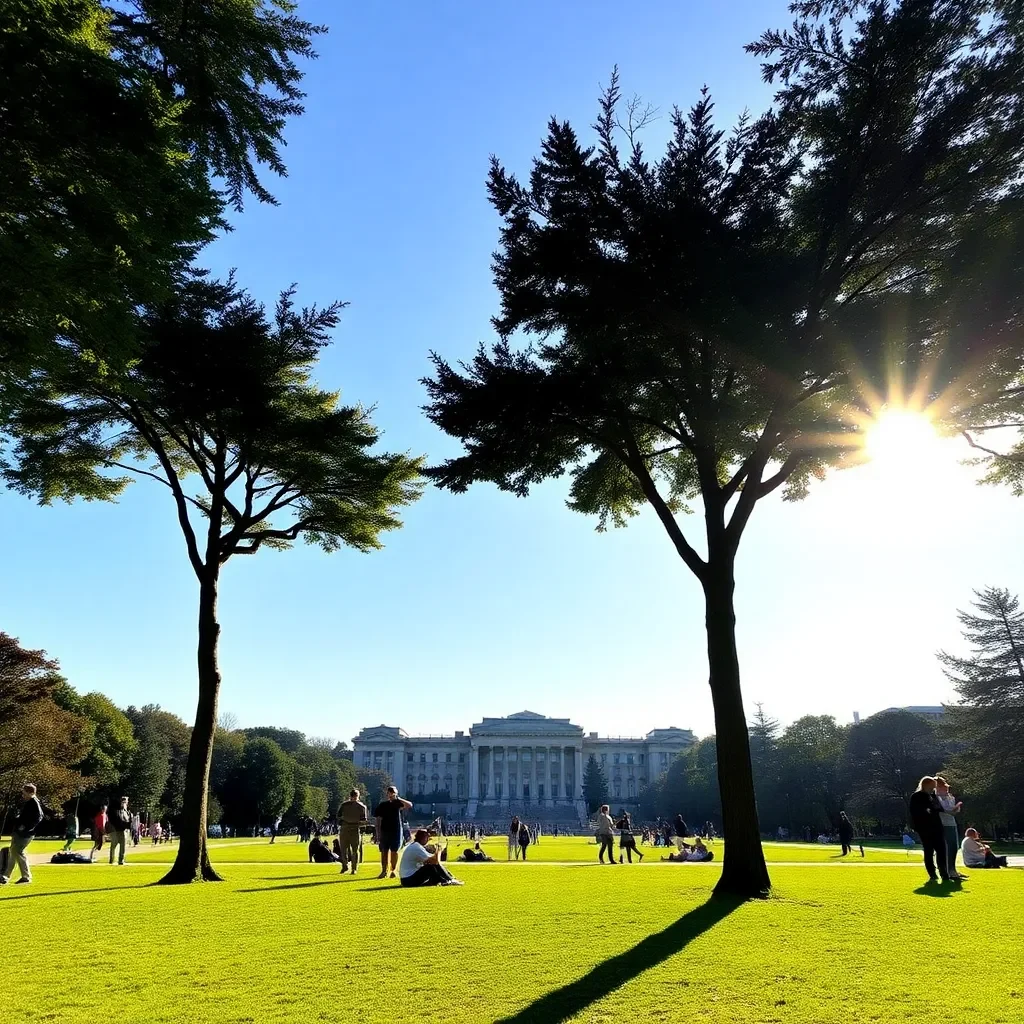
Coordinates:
(717, 324)
(39, 740)
(264, 783)
(815, 786)
(595, 784)
(113, 747)
(885, 757)
(988, 723)
(289, 740)
(224, 393)
(126, 126)
(766, 764)
(335, 778)
(169, 737)
(341, 752)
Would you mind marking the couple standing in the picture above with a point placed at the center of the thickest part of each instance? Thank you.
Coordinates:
(932, 812)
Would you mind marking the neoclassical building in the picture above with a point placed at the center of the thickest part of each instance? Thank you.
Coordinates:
(523, 762)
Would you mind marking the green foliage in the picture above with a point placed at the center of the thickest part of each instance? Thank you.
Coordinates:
(40, 740)
(595, 784)
(156, 779)
(373, 783)
(113, 748)
(263, 784)
(988, 723)
(289, 740)
(816, 786)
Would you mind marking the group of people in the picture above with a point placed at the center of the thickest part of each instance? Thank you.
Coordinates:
(933, 811)
(604, 831)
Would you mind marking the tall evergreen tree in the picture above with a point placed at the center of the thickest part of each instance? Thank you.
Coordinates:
(725, 320)
(988, 723)
(595, 784)
(222, 393)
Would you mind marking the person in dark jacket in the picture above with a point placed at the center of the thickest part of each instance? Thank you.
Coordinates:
(925, 811)
(120, 828)
(30, 814)
(845, 832)
(627, 841)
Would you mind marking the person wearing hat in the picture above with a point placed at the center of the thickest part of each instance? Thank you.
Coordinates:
(421, 864)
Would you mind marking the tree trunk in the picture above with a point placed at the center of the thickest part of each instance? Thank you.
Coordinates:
(192, 864)
(744, 873)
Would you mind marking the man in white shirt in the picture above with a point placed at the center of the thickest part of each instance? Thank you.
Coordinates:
(420, 865)
(978, 854)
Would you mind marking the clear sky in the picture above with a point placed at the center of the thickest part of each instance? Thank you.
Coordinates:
(486, 604)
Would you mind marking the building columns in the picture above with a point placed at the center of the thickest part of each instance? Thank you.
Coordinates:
(474, 773)
(490, 773)
(504, 774)
(547, 776)
(577, 782)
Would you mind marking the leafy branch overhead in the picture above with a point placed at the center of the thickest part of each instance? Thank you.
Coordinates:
(221, 391)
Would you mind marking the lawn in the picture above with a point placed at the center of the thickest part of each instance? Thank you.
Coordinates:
(286, 941)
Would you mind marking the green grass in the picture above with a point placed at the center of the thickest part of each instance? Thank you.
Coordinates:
(284, 941)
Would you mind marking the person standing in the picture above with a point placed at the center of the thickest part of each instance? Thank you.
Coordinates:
(99, 830)
(605, 835)
(682, 830)
(845, 832)
(120, 826)
(627, 841)
(524, 837)
(924, 815)
(274, 829)
(136, 828)
(30, 814)
(388, 815)
(950, 807)
(351, 817)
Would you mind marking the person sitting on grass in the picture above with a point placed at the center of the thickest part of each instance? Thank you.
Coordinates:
(699, 852)
(977, 854)
(319, 853)
(474, 854)
(421, 864)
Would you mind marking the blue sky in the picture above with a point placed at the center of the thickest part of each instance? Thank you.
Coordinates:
(486, 604)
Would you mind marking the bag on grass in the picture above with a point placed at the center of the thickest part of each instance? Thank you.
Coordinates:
(69, 858)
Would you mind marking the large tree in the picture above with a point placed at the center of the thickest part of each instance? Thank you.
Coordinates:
(988, 723)
(263, 784)
(724, 321)
(595, 784)
(222, 393)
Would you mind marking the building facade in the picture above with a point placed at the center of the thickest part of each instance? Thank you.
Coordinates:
(523, 762)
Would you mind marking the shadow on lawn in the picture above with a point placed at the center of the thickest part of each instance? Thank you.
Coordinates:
(67, 892)
(563, 1003)
(299, 885)
(940, 889)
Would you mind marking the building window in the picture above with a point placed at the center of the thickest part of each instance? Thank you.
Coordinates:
(604, 759)
(631, 788)
(409, 758)
(462, 758)
(641, 758)
(629, 759)
(448, 758)
(409, 780)
(433, 757)
(615, 758)
(366, 760)
(618, 788)
(423, 758)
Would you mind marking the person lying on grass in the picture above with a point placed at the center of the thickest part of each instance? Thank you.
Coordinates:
(421, 864)
(474, 854)
(977, 854)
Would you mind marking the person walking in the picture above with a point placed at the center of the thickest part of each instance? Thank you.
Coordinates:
(120, 827)
(274, 829)
(351, 817)
(950, 807)
(99, 830)
(30, 814)
(605, 833)
(136, 828)
(924, 815)
(70, 831)
(845, 832)
(627, 841)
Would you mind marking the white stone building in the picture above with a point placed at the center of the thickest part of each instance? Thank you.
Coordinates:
(523, 763)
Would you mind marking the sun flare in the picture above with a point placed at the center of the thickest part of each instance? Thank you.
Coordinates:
(900, 438)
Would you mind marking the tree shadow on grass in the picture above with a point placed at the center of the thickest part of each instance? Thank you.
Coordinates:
(563, 1003)
(67, 892)
(390, 888)
(299, 885)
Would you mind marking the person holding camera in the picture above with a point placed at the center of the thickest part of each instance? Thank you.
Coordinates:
(351, 818)
(388, 815)
(421, 864)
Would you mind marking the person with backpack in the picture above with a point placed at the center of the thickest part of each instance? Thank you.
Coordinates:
(120, 827)
(99, 830)
(30, 814)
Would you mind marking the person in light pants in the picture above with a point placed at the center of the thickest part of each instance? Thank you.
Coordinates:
(25, 825)
(120, 829)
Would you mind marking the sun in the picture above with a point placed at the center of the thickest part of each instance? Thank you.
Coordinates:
(900, 439)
